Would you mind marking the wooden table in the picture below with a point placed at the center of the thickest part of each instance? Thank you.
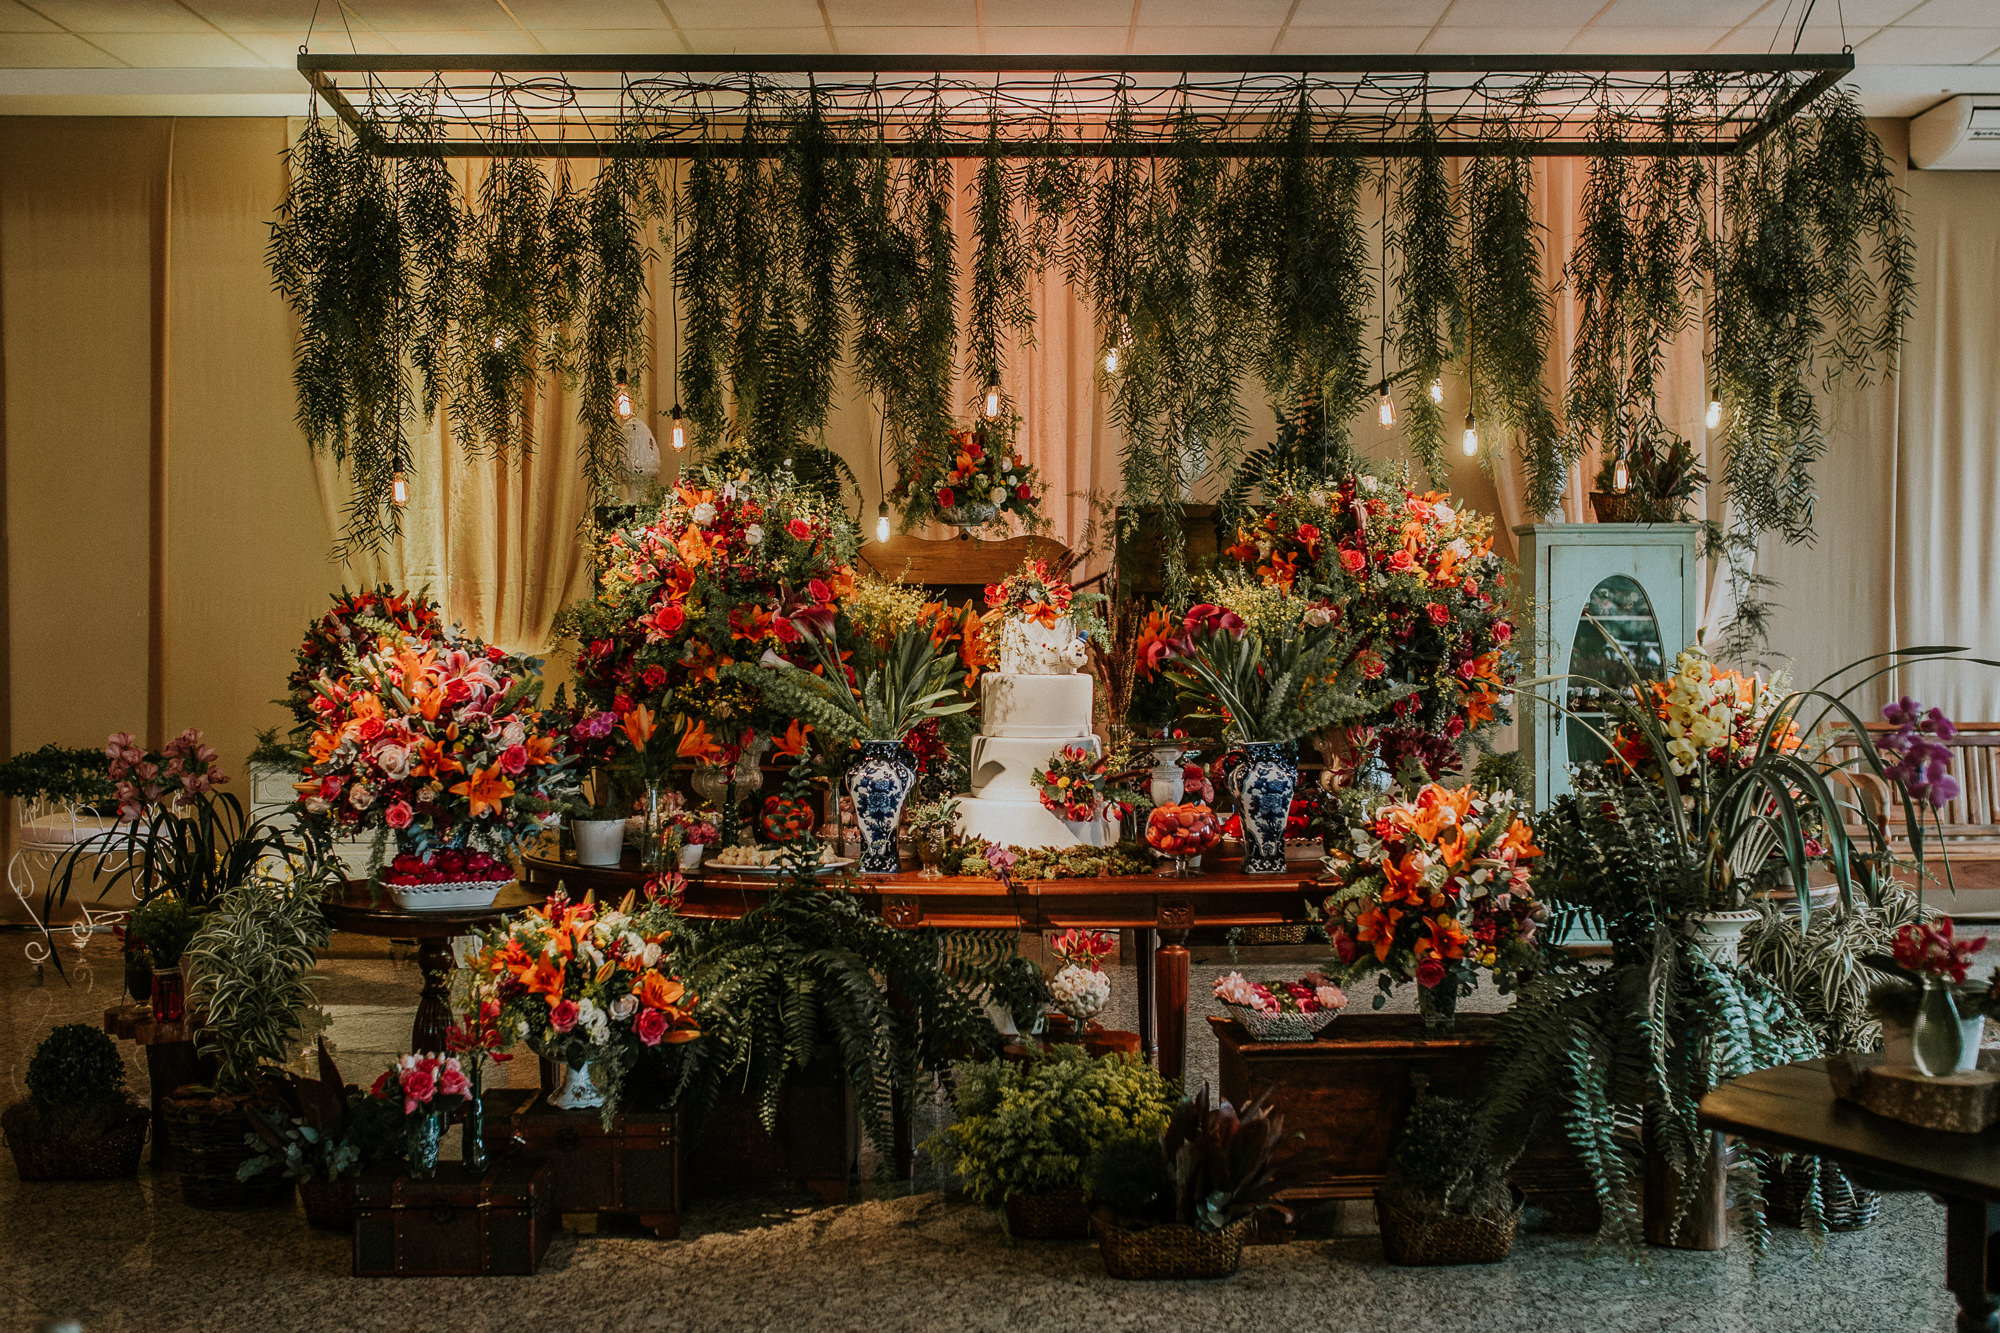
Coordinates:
(171, 1062)
(1792, 1107)
(362, 911)
(1169, 907)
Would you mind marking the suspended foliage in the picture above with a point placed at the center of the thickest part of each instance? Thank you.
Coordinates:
(433, 213)
(508, 279)
(704, 271)
(931, 345)
(612, 336)
(1430, 297)
(1509, 318)
(1001, 313)
(882, 285)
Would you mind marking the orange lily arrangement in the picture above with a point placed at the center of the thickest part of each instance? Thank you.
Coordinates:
(578, 982)
(1435, 887)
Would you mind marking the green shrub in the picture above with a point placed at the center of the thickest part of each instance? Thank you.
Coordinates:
(75, 1065)
(1030, 1127)
(1438, 1164)
(163, 927)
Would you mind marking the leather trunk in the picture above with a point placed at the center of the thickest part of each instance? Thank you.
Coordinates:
(460, 1224)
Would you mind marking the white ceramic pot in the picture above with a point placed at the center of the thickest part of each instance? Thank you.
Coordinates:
(691, 854)
(599, 842)
(1720, 934)
(1898, 1054)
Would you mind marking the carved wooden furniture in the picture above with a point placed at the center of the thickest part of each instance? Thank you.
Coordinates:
(1793, 1108)
(461, 1224)
(960, 568)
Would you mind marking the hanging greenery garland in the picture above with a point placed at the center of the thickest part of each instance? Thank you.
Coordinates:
(1430, 298)
(704, 271)
(623, 199)
(1509, 313)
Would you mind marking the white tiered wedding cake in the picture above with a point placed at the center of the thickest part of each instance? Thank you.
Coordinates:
(1034, 705)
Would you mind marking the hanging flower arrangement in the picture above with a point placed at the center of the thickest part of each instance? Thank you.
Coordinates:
(1417, 577)
(439, 741)
(1434, 888)
(734, 569)
(970, 477)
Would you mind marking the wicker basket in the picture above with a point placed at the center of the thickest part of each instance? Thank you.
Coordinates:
(112, 1155)
(1060, 1215)
(1273, 935)
(1285, 1025)
(1418, 1240)
(208, 1134)
(1174, 1251)
(1843, 1205)
(329, 1204)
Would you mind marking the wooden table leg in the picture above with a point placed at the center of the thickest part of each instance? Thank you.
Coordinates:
(434, 1004)
(1969, 1225)
(1170, 1000)
(1148, 1046)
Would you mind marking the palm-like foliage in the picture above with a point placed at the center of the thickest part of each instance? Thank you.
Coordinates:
(1295, 682)
(915, 680)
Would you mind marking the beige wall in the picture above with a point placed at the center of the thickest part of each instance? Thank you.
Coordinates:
(162, 558)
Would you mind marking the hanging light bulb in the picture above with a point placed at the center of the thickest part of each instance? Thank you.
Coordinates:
(624, 392)
(1111, 361)
(882, 522)
(1621, 476)
(399, 490)
(1714, 417)
(1385, 408)
(992, 401)
(499, 341)
(1470, 440)
(679, 439)
(1437, 390)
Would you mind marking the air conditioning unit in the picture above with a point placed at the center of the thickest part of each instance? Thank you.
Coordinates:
(1960, 135)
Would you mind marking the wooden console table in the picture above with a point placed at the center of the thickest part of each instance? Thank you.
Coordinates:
(1168, 907)
(1792, 1107)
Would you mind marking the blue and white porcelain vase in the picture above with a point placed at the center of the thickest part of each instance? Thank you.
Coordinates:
(1263, 785)
(879, 783)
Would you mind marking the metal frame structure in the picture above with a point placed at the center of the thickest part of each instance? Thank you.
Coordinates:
(589, 106)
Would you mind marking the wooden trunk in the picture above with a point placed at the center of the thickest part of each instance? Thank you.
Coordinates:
(1690, 1213)
(457, 1225)
(1348, 1092)
(632, 1169)
(816, 1147)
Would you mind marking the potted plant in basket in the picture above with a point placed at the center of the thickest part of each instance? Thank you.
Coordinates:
(323, 1134)
(1026, 1129)
(916, 679)
(1181, 1203)
(76, 1123)
(1445, 1200)
(1293, 672)
(248, 987)
(438, 741)
(160, 930)
(1434, 888)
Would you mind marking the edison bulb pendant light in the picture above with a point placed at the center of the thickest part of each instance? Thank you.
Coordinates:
(399, 490)
(1437, 390)
(1111, 361)
(1385, 409)
(1714, 417)
(1621, 476)
(679, 437)
(992, 401)
(1469, 442)
(623, 400)
(882, 522)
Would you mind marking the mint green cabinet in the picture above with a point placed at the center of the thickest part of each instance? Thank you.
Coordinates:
(1608, 599)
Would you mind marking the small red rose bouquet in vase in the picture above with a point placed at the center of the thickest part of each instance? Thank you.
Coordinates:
(432, 1089)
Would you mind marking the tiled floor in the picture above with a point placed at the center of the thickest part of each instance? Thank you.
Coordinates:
(130, 1256)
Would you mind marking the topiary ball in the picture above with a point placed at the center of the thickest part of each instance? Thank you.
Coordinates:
(76, 1063)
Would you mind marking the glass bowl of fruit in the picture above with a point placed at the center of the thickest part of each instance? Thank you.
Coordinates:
(1180, 834)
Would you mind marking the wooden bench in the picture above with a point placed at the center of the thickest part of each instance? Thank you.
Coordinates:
(1970, 824)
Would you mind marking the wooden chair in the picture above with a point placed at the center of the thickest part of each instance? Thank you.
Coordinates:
(1971, 823)
(957, 569)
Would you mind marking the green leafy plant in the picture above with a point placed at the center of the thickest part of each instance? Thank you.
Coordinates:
(74, 1065)
(913, 682)
(58, 774)
(1662, 474)
(1210, 1167)
(1297, 679)
(932, 821)
(1826, 969)
(320, 1129)
(249, 976)
(1439, 1167)
(1430, 298)
(163, 927)
(1030, 1126)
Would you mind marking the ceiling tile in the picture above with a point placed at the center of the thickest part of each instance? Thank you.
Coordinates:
(1178, 41)
(1864, 13)
(1752, 40)
(1503, 14)
(1597, 41)
(430, 15)
(266, 16)
(757, 41)
(170, 50)
(954, 41)
(1504, 41)
(282, 48)
(1685, 13)
(1369, 13)
(657, 40)
(735, 14)
(1210, 13)
(15, 17)
(1057, 13)
(1055, 41)
(600, 15)
(49, 50)
(1346, 41)
(1928, 46)
(900, 13)
(1952, 14)
(463, 42)
(87, 16)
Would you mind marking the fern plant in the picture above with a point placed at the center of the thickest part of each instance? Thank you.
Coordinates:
(1430, 298)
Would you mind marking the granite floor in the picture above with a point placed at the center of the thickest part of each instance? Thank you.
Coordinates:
(129, 1255)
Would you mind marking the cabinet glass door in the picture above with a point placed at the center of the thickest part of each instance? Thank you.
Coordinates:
(1617, 643)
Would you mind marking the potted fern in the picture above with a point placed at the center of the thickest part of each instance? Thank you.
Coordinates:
(1445, 1201)
(913, 681)
(249, 987)
(77, 1123)
(1286, 670)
